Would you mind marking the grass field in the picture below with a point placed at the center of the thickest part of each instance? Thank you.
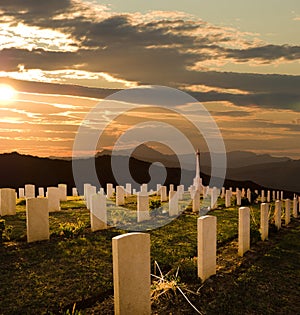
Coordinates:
(75, 266)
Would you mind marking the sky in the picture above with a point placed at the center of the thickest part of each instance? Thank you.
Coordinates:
(240, 59)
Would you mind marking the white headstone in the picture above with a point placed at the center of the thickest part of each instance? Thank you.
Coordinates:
(295, 207)
(109, 190)
(85, 189)
(264, 221)
(53, 195)
(173, 203)
(277, 214)
(163, 194)
(128, 189)
(287, 211)
(120, 196)
(131, 274)
(74, 192)
(21, 192)
(142, 207)
(249, 195)
(98, 212)
(29, 191)
(158, 186)
(7, 201)
(262, 198)
(63, 192)
(207, 246)
(273, 195)
(268, 196)
(228, 198)
(214, 198)
(144, 188)
(223, 192)
(41, 192)
(90, 190)
(244, 230)
(37, 219)
(238, 197)
(196, 201)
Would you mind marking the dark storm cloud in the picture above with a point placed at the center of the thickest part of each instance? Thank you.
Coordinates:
(267, 100)
(265, 53)
(30, 10)
(232, 113)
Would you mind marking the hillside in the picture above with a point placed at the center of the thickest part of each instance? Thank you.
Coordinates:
(18, 170)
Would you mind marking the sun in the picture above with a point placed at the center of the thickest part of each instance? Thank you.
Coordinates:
(7, 93)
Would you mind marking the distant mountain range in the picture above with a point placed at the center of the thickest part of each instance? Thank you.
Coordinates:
(245, 169)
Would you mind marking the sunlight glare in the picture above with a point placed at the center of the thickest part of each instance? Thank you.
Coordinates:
(7, 93)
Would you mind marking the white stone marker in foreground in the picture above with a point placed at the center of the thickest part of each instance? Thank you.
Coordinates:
(131, 274)
(53, 195)
(287, 211)
(264, 221)
(29, 191)
(207, 246)
(244, 230)
(7, 201)
(37, 219)
(142, 207)
(63, 192)
(277, 214)
(98, 213)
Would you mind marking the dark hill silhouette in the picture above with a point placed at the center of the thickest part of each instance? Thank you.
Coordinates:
(17, 170)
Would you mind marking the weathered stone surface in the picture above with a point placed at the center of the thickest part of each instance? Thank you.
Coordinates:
(207, 246)
(37, 219)
(98, 213)
(29, 191)
(131, 274)
(244, 230)
(7, 201)
(264, 221)
(142, 207)
(53, 195)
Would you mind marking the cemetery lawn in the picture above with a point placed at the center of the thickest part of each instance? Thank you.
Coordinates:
(75, 267)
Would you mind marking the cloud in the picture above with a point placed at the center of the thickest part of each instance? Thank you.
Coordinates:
(113, 43)
(265, 53)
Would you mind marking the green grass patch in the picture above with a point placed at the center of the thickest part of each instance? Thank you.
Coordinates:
(75, 266)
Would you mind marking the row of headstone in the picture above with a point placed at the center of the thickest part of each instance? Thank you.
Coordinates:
(275, 196)
(131, 265)
(29, 192)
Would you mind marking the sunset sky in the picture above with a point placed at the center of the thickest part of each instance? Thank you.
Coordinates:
(240, 59)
